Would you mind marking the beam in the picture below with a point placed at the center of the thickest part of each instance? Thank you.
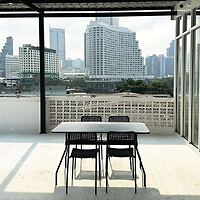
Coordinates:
(88, 1)
(115, 14)
(30, 5)
(89, 9)
(42, 75)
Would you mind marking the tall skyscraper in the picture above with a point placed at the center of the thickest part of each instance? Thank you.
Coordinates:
(112, 52)
(162, 65)
(153, 66)
(170, 50)
(156, 65)
(114, 21)
(7, 50)
(169, 60)
(29, 60)
(57, 42)
(11, 66)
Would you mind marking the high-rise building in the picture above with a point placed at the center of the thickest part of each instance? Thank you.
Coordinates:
(112, 52)
(153, 66)
(29, 60)
(57, 42)
(114, 21)
(169, 66)
(169, 60)
(162, 65)
(156, 65)
(170, 50)
(7, 50)
(12, 66)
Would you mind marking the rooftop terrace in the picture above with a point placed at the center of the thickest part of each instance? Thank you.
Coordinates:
(28, 163)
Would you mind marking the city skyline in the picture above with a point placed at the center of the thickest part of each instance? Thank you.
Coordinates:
(151, 32)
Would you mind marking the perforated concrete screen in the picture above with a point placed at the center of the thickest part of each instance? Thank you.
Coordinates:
(155, 112)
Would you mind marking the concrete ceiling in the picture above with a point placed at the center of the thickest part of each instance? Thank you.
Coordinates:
(86, 5)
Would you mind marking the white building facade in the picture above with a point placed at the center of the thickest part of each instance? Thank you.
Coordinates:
(29, 60)
(112, 52)
(11, 66)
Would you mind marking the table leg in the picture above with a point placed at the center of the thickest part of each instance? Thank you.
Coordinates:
(135, 177)
(142, 168)
(63, 155)
(56, 174)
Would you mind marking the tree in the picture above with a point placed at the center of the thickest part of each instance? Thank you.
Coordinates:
(159, 86)
(76, 83)
(130, 85)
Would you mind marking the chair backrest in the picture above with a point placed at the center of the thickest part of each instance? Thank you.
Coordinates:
(91, 119)
(118, 119)
(82, 138)
(122, 138)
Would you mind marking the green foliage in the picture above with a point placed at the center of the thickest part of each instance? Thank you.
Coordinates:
(159, 86)
(132, 86)
(76, 83)
(54, 81)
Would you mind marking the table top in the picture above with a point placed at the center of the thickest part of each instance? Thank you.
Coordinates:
(101, 127)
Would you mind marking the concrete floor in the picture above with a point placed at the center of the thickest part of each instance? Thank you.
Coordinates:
(28, 163)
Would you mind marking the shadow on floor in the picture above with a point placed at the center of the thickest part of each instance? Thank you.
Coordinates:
(87, 193)
(150, 139)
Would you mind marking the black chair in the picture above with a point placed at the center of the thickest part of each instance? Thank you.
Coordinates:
(118, 138)
(93, 118)
(83, 139)
(120, 119)
(86, 118)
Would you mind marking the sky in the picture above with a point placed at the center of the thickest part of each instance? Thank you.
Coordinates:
(153, 33)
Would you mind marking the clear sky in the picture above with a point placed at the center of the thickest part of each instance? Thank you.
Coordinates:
(153, 33)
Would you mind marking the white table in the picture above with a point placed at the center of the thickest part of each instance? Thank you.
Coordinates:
(103, 127)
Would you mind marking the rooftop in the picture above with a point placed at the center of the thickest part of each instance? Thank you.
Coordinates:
(27, 170)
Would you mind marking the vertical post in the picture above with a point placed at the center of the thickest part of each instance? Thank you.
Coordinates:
(191, 77)
(176, 110)
(184, 40)
(42, 75)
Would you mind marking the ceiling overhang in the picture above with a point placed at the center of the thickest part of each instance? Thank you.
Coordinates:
(86, 5)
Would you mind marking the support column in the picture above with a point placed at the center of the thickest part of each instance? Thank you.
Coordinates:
(42, 75)
(184, 40)
(191, 77)
(176, 106)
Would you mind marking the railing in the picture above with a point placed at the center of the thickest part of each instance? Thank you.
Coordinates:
(157, 112)
(19, 113)
(22, 113)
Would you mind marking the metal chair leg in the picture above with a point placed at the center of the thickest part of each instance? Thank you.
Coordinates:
(135, 173)
(75, 160)
(130, 158)
(106, 169)
(132, 166)
(67, 171)
(72, 170)
(102, 160)
(99, 164)
(96, 175)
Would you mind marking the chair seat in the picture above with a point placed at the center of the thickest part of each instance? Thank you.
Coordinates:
(84, 153)
(125, 152)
